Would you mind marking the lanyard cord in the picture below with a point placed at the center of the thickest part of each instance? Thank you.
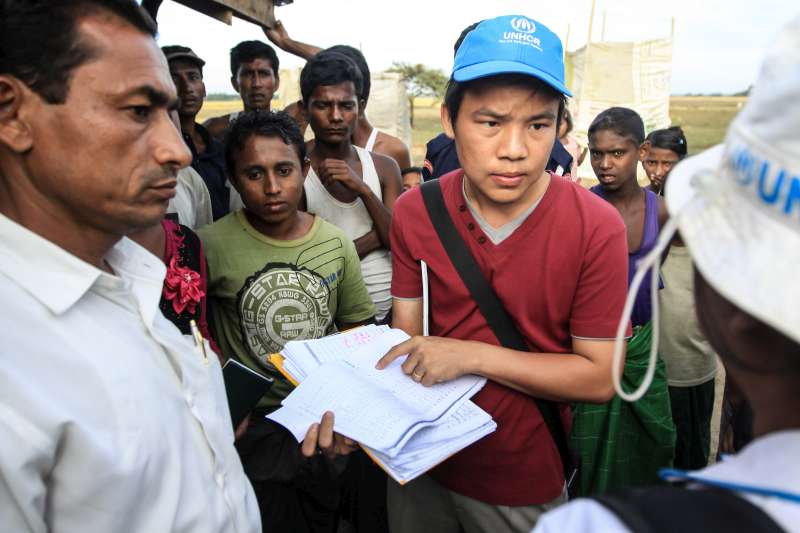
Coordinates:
(672, 474)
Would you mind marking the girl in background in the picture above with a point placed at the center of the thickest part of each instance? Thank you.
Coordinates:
(661, 151)
(624, 444)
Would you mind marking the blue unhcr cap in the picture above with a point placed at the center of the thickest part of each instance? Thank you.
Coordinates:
(511, 44)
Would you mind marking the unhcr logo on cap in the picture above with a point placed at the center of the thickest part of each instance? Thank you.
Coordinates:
(523, 28)
(511, 44)
(523, 25)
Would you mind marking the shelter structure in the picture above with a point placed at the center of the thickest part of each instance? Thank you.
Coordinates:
(641, 80)
(604, 74)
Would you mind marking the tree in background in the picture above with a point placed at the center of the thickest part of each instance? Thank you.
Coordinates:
(421, 80)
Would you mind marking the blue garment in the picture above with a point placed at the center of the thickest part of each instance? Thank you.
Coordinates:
(643, 305)
(441, 158)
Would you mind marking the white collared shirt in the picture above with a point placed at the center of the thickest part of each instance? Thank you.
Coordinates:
(192, 201)
(771, 462)
(110, 420)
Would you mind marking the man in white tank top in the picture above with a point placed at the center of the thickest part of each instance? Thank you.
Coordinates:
(346, 185)
(364, 133)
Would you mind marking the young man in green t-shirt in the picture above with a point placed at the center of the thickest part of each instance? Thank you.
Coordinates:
(278, 274)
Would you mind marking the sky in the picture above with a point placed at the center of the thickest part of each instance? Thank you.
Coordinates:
(718, 44)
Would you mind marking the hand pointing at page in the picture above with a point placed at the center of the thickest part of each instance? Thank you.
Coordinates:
(433, 360)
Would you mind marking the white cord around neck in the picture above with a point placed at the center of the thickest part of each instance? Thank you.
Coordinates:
(652, 262)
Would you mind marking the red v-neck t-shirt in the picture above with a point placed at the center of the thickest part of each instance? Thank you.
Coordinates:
(561, 273)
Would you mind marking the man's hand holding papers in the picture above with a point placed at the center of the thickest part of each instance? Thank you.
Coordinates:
(320, 438)
(405, 427)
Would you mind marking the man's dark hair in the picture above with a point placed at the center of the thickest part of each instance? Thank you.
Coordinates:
(622, 121)
(329, 68)
(40, 43)
(247, 51)
(454, 95)
(355, 55)
(263, 124)
(671, 138)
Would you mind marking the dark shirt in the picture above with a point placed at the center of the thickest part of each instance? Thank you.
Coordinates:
(211, 167)
(441, 158)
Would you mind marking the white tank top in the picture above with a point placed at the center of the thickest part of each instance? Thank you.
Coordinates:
(373, 135)
(354, 219)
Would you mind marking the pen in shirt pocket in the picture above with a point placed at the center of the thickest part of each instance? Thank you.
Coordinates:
(199, 341)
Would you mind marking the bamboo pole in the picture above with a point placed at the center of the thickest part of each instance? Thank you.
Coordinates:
(603, 32)
(566, 42)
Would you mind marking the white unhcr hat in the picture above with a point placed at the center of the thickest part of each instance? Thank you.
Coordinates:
(738, 205)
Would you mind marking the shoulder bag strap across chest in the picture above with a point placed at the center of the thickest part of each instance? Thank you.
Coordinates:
(490, 307)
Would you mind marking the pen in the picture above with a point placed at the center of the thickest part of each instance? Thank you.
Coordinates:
(198, 340)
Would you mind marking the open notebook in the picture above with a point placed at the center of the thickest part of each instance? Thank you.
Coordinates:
(405, 427)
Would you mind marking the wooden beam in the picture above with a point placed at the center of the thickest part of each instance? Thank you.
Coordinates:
(261, 12)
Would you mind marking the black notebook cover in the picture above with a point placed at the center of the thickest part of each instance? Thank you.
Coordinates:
(244, 388)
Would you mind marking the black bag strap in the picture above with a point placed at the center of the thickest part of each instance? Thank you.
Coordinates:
(667, 509)
(489, 305)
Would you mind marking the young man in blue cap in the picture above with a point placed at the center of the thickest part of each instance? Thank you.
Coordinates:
(441, 157)
(556, 257)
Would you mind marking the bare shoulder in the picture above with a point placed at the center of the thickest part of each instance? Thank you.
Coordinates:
(295, 111)
(217, 126)
(663, 214)
(385, 165)
(394, 148)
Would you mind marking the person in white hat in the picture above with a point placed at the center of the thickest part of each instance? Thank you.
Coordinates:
(737, 207)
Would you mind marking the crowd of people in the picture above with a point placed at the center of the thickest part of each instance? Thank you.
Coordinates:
(141, 250)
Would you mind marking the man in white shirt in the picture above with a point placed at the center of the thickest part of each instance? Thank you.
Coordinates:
(110, 420)
(192, 203)
(737, 207)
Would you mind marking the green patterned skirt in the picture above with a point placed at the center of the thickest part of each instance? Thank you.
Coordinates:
(622, 444)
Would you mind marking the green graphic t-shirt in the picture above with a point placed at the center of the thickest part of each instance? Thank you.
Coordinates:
(264, 292)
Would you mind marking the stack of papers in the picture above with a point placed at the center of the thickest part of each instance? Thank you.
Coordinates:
(405, 427)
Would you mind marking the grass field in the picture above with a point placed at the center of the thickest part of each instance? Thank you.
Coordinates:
(703, 118)
(216, 108)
